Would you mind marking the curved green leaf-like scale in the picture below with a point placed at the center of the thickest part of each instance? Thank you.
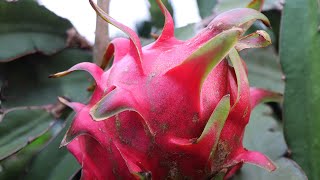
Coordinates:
(242, 79)
(258, 39)
(206, 145)
(132, 35)
(238, 115)
(116, 101)
(200, 63)
(215, 125)
(245, 19)
(210, 134)
(226, 21)
(217, 118)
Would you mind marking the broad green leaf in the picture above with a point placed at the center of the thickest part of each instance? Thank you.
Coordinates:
(15, 165)
(286, 170)
(299, 55)
(186, 32)
(265, 134)
(264, 68)
(224, 5)
(26, 28)
(20, 127)
(53, 162)
(27, 81)
(206, 7)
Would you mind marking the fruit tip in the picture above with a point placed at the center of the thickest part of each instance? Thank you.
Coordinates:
(267, 23)
(272, 167)
(59, 74)
(63, 142)
(98, 10)
(63, 100)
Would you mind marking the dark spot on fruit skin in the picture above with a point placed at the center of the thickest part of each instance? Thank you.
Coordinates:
(118, 128)
(245, 113)
(164, 127)
(195, 117)
(221, 153)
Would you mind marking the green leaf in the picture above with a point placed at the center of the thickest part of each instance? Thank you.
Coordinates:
(20, 127)
(53, 162)
(264, 68)
(206, 7)
(272, 5)
(224, 5)
(264, 133)
(27, 82)
(299, 55)
(15, 166)
(186, 32)
(286, 170)
(27, 27)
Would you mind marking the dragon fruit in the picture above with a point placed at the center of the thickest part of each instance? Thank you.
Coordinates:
(172, 109)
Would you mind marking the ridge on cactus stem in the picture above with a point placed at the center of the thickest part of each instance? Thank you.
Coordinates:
(172, 109)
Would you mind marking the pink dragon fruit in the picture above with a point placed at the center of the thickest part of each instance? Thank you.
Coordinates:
(172, 109)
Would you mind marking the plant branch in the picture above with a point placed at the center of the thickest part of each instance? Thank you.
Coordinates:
(102, 34)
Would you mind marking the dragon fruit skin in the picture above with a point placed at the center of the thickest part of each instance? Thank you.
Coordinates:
(170, 110)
